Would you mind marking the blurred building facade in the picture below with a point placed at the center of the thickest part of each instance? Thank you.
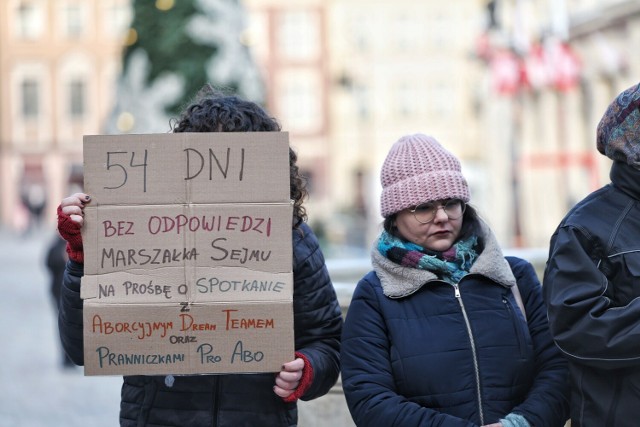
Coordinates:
(289, 41)
(59, 60)
(550, 70)
(348, 78)
(515, 88)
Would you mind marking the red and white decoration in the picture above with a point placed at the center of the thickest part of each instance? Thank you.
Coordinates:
(552, 64)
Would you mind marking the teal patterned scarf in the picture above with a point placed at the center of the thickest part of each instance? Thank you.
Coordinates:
(450, 265)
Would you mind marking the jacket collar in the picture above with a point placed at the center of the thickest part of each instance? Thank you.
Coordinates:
(399, 281)
(626, 178)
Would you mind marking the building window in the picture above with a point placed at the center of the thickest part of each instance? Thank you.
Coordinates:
(29, 20)
(77, 107)
(440, 100)
(299, 35)
(362, 98)
(117, 18)
(361, 31)
(439, 27)
(301, 101)
(30, 102)
(406, 100)
(73, 22)
(408, 32)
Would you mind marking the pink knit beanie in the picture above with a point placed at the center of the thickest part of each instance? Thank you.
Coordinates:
(418, 169)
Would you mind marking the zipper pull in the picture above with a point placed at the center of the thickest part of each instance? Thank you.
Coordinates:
(457, 290)
(169, 380)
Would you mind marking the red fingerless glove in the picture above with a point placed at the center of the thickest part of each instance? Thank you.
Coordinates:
(70, 231)
(305, 381)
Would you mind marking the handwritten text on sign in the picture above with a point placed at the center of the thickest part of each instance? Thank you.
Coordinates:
(199, 338)
(187, 168)
(214, 235)
(204, 284)
(188, 258)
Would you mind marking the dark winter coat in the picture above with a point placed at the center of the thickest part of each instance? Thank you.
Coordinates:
(55, 261)
(417, 351)
(229, 400)
(592, 288)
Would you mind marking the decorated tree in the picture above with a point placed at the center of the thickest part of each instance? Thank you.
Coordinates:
(174, 48)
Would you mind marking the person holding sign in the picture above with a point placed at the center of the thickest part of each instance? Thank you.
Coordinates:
(225, 399)
(446, 331)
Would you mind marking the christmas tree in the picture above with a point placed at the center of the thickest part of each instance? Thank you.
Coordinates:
(175, 47)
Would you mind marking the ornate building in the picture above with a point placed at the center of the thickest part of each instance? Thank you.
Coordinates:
(59, 60)
(515, 88)
(551, 70)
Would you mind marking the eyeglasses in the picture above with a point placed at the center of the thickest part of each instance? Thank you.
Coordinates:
(426, 212)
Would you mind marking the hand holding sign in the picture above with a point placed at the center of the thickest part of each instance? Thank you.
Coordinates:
(70, 221)
(288, 379)
(73, 206)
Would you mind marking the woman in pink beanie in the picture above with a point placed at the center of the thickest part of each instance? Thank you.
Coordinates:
(446, 331)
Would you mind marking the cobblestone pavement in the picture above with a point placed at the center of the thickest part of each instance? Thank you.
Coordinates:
(36, 390)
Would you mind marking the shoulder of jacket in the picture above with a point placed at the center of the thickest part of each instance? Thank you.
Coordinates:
(517, 263)
(369, 285)
(304, 240)
(523, 271)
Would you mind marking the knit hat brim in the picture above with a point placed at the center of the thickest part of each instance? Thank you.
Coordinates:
(419, 189)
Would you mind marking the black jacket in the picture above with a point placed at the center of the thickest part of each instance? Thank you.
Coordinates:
(229, 400)
(592, 285)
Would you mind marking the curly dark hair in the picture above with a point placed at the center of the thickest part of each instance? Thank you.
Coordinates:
(215, 111)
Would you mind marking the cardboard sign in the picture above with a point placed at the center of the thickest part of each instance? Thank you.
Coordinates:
(217, 235)
(188, 258)
(212, 167)
(206, 338)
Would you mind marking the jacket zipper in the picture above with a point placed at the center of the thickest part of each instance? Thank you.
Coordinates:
(514, 321)
(214, 404)
(473, 350)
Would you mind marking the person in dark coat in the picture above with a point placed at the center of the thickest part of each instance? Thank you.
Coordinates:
(225, 400)
(446, 331)
(55, 261)
(592, 280)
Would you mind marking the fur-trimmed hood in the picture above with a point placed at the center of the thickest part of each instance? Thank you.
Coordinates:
(399, 281)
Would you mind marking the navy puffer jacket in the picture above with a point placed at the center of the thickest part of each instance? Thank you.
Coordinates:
(417, 351)
(229, 400)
